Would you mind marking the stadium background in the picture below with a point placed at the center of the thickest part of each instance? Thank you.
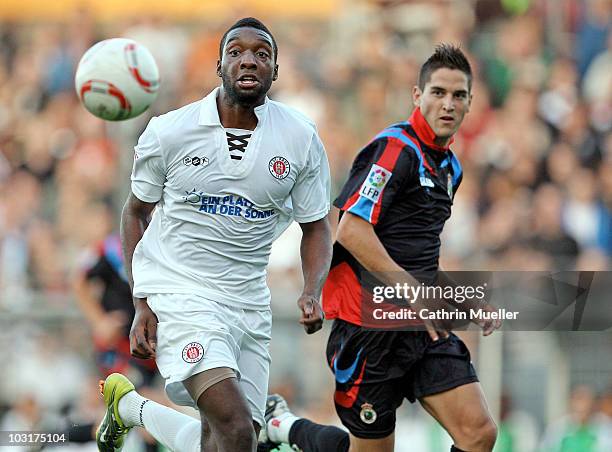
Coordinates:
(537, 191)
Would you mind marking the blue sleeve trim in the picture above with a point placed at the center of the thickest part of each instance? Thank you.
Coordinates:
(363, 208)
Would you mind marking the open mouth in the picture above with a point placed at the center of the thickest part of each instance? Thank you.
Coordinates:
(247, 81)
(447, 119)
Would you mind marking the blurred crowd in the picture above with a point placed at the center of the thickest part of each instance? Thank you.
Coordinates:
(536, 146)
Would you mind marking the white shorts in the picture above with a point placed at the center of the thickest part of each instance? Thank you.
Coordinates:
(195, 334)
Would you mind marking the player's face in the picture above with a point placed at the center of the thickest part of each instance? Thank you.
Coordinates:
(247, 65)
(444, 101)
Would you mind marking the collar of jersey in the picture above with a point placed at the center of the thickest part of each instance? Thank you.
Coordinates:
(425, 132)
(209, 115)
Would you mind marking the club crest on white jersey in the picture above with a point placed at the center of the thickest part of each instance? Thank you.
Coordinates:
(279, 167)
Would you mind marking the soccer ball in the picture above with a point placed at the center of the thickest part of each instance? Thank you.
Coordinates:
(117, 79)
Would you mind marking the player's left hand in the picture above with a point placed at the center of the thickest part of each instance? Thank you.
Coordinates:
(312, 314)
(490, 325)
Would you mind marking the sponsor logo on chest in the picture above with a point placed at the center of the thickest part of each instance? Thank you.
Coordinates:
(228, 205)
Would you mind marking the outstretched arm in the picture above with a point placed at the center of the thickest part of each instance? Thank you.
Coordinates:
(359, 238)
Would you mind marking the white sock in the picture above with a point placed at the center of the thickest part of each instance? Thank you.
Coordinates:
(130, 408)
(278, 427)
(163, 423)
(188, 438)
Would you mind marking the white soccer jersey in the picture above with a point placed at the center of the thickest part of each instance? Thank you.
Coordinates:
(216, 218)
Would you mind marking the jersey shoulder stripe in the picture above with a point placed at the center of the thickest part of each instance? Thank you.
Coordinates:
(368, 206)
(401, 134)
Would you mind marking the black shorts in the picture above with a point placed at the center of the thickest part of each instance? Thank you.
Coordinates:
(376, 370)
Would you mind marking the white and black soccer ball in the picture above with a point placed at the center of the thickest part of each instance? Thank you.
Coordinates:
(117, 79)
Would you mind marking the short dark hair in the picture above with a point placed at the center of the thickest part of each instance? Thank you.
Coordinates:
(248, 22)
(445, 56)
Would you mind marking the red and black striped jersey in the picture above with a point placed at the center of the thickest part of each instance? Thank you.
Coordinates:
(403, 184)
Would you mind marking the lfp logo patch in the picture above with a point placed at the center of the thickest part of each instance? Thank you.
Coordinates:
(375, 182)
(193, 352)
(378, 178)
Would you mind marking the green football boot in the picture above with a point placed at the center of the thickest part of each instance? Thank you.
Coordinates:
(111, 432)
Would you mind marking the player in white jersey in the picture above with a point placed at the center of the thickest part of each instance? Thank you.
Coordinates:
(222, 178)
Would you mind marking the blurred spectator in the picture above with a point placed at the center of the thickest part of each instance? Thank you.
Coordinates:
(25, 415)
(517, 429)
(604, 238)
(530, 123)
(105, 300)
(548, 234)
(579, 431)
(593, 33)
(581, 213)
(603, 419)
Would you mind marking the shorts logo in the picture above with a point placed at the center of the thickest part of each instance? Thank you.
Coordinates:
(373, 186)
(279, 167)
(193, 352)
(367, 414)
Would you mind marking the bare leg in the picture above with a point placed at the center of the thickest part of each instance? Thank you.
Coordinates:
(373, 445)
(464, 414)
(228, 425)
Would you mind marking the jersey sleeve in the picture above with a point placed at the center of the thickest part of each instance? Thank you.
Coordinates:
(311, 193)
(377, 176)
(149, 170)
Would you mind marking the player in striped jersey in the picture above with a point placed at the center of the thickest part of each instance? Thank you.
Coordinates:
(393, 209)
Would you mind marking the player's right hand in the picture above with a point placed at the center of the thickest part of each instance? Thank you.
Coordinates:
(143, 334)
(436, 329)
(312, 314)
